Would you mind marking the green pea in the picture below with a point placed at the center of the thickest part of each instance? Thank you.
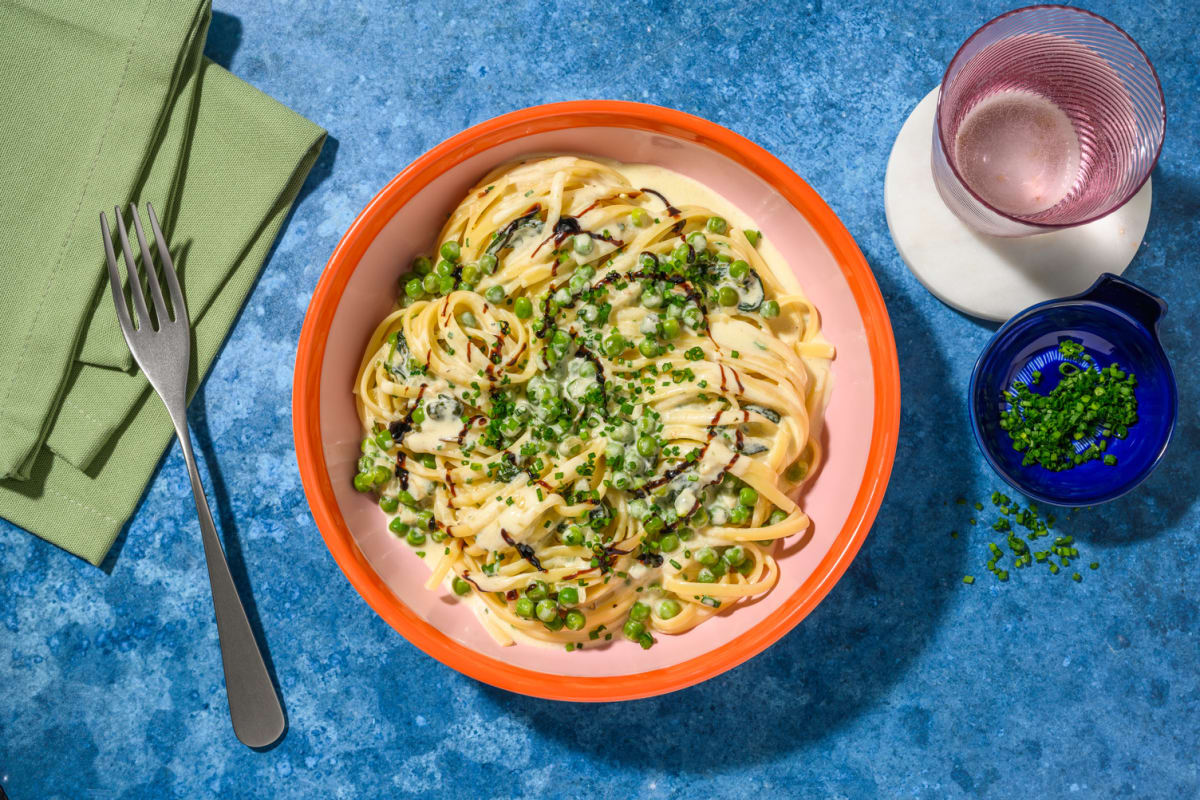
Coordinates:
(651, 299)
(693, 316)
(753, 237)
(383, 438)
(623, 433)
(746, 567)
(467, 320)
(425, 519)
(415, 537)
(523, 308)
(414, 289)
(428, 461)
(706, 556)
(698, 241)
(706, 575)
(777, 516)
(445, 284)
(418, 416)
(573, 536)
(646, 641)
(538, 590)
(739, 269)
(399, 527)
(363, 482)
(389, 503)
(546, 610)
(561, 337)
(747, 496)
(733, 556)
(648, 348)
(568, 596)
(487, 262)
(438, 536)
(406, 498)
(653, 525)
(770, 309)
(582, 244)
(727, 296)
(587, 271)
(670, 328)
(639, 611)
(554, 624)
(460, 585)
(647, 423)
(680, 253)
(575, 620)
(668, 543)
(715, 225)
(640, 217)
(646, 446)
(450, 251)
(470, 274)
(614, 345)
(739, 514)
(381, 475)
(524, 607)
(633, 629)
(700, 518)
(421, 265)
(495, 294)
(444, 269)
(668, 608)
(430, 283)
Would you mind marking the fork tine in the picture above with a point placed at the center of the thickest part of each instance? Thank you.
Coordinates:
(114, 279)
(177, 304)
(160, 308)
(135, 279)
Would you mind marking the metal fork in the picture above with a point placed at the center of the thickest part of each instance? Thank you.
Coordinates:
(164, 353)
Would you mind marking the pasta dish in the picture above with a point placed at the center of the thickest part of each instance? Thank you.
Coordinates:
(589, 411)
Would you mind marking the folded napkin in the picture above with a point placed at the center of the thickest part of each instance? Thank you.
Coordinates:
(105, 104)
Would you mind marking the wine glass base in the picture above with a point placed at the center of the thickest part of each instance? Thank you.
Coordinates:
(989, 276)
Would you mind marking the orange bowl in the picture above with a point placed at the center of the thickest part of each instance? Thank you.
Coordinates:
(358, 287)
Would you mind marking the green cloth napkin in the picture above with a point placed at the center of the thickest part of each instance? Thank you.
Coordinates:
(105, 104)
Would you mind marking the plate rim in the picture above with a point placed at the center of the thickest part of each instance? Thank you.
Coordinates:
(403, 187)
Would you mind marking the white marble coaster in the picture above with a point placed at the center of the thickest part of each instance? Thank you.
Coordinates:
(988, 276)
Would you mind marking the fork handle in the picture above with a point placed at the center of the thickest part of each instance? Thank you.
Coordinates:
(254, 706)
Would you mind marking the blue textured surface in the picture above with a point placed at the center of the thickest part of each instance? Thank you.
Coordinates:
(903, 683)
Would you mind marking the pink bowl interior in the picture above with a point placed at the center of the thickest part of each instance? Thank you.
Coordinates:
(369, 296)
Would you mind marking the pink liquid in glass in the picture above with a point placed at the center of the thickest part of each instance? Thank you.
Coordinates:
(1048, 116)
(1018, 151)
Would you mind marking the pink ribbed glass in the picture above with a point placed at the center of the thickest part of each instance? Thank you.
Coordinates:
(1048, 117)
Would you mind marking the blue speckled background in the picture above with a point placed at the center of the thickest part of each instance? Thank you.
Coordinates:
(903, 683)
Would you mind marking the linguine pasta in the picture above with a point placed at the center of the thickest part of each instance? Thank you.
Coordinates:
(590, 414)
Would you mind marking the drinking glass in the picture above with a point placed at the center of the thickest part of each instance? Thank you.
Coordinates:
(1047, 117)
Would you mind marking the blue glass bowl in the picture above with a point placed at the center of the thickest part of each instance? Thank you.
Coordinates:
(1117, 321)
